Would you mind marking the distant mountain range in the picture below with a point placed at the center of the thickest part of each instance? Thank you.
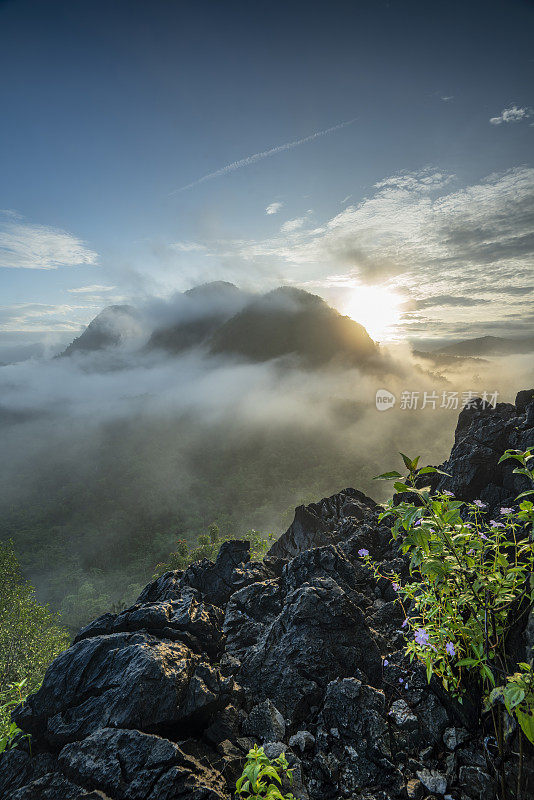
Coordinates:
(227, 321)
(489, 346)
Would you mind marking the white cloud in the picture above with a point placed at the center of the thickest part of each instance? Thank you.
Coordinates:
(96, 288)
(44, 317)
(188, 247)
(273, 208)
(27, 246)
(512, 114)
(293, 224)
(346, 199)
(447, 98)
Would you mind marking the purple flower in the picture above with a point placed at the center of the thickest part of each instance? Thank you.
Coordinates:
(395, 586)
(483, 535)
(449, 647)
(386, 662)
(401, 680)
(431, 530)
(472, 552)
(404, 623)
(417, 522)
(406, 686)
(363, 552)
(495, 524)
(448, 494)
(480, 504)
(421, 637)
(507, 510)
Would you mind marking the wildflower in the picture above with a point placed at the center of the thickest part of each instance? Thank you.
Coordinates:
(507, 510)
(472, 552)
(417, 522)
(495, 524)
(479, 504)
(386, 662)
(449, 647)
(448, 494)
(395, 586)
(406, 686)
(483, 535)
(404, 623)
(363, 552)
(401, 680)
(421, 637)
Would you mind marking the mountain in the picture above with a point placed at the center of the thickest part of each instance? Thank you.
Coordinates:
(110, 328)
(202, 311)
(289, 321)
(303, 653)
(489, 346)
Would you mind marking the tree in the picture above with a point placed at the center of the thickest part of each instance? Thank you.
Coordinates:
(31, 635)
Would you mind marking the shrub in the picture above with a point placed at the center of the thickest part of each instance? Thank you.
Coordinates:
(467, 574)
(208, 545)
(256, 782)
(31, 636)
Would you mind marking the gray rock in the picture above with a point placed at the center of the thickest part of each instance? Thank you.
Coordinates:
(123, 680)
(304, 740)
(130, 765)
(477, 783)
(402, 715)
(265, 723)
(454, 737)
(434, 781)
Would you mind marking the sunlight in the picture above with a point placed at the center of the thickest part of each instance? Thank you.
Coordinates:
(377, 308)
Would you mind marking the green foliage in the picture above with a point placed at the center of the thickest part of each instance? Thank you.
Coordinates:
(31, 636)
(517, 694)
(9, 731)
(467, 574)
(208, 545)
(261, 776)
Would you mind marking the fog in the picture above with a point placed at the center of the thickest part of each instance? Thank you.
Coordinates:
(108, 457)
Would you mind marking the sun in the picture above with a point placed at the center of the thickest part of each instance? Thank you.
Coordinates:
(377, 308)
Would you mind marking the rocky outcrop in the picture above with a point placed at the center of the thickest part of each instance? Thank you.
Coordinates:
(303, 653)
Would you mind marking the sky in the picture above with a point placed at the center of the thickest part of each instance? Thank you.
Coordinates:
(377, 153)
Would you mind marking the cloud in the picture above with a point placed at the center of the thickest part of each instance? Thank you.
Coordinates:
(96, 288)
(447, 98)
(293, 224)
(447, 300)
(253, 159)
(44, 317)
(512, 114)
(345, 199)
(273, 208)
(24, 245)
(188, 247)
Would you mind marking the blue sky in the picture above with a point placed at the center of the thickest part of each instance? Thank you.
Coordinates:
(425, 196)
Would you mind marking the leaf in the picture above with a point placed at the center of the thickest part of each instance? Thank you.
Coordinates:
(526, 722)
(428, 470)
(387, 476)
(409, 464)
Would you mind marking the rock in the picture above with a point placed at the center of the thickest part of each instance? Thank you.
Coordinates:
(160, 683)
(304, 740)
(214, 581)
(185, 618)
(433, 781)
(402, 716)
(415, 789)
(130, 765)
(454, 737)
(319, 635)
(477, 784)
(315, 525)
(265, 723)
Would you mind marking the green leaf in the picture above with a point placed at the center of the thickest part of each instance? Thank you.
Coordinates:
(387, 476)
(409, 464)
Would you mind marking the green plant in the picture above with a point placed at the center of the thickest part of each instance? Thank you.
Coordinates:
(467, 573)
(256, 782)
(9, 731)
(31, 636)
(517, 694)
(208, 545)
